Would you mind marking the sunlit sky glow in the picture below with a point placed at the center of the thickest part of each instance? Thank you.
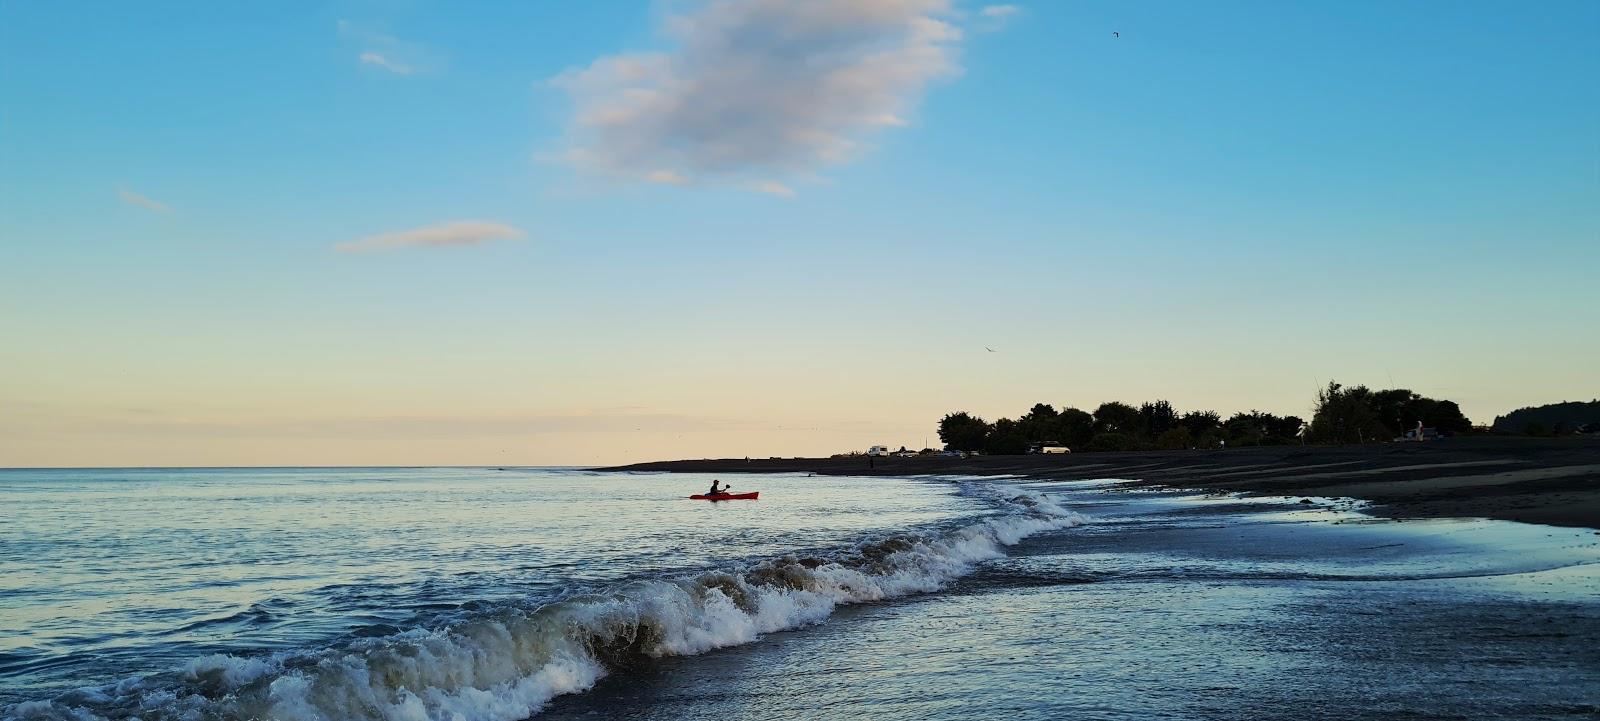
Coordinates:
(416, 232)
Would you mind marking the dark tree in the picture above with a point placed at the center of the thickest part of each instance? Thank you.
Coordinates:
(963, 432)
(1200, 423)
(1346, 415)
(1076, 427)
(1040, 424)
(1577, 414)
(1447, 417)
(1156, 418)
(1255, 428)
(1006, 439)
(1040, 412)
(1244, 429)
(1397, 409)
(1175, 439)
(1115, 417)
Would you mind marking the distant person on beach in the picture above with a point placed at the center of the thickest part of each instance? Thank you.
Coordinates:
(715, 491)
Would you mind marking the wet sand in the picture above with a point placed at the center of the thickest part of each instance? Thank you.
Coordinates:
(1548, 481)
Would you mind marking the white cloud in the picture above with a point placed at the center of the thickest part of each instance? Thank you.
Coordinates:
(666, 177)
(463, 232)
(995, 17)
(372, 58)
(132, 198)
(772, 187)
(757, 88)
(381, 50)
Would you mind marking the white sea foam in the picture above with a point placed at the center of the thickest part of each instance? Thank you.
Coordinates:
(507, 663)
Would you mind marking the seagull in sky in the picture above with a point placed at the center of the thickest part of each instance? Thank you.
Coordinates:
(991, 350)
(1116, 34)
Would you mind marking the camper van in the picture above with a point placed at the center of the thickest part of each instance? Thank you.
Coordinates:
(878, 451)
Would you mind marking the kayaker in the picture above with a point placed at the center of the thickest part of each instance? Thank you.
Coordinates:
(716, 491)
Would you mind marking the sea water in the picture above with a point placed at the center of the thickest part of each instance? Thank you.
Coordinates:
(565, 594)
(437, 593)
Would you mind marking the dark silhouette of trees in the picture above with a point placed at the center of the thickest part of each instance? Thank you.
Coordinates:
(1175, 439)
(1343, 415)
(1400, 410)
(1156, 418)
(1568, 417)
(1116, 417)
(1346, 415)
(1204, 428)
(963, 432)
(1076, 427)
(1448, 418)
(1200, 423)
(1040, 423)
(1255, 428)
(1359, 415)
(1006, 439)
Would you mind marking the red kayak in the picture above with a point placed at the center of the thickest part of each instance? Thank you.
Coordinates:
(726, 497)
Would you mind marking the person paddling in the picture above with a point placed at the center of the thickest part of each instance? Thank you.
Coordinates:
(715, 491)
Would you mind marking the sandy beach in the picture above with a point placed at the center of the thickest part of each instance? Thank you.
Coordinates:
(1549, 481)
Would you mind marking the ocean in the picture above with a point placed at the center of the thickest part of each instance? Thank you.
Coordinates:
(482, 593)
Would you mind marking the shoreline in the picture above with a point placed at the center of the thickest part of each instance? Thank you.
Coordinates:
(1532, 480)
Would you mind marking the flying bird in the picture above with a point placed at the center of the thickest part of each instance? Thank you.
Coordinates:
(1116, 34)
(991, 350)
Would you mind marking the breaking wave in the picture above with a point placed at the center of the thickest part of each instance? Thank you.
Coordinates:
(507, 662)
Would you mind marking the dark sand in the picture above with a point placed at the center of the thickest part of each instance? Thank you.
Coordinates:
(1550, 481)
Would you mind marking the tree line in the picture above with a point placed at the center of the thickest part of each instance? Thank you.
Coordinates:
(1554, 419)
(1343, 415)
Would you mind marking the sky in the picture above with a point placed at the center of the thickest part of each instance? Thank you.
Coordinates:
(416, 233)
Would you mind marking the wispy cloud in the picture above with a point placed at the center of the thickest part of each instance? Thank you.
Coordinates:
(132, 198)
(757, 88)
(372, 58)
(773, 187)
(995, 17)
(666, 177)
(464, 232)
(378, 49)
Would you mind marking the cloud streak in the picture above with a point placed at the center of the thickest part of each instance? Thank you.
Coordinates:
(385, 52)
(995, 17)
(459, 233)
(372, 58)
(132, 198)
(758, 88)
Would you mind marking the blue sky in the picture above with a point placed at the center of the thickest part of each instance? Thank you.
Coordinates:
(758, 227)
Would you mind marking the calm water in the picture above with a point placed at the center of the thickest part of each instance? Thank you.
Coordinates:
(486, 594)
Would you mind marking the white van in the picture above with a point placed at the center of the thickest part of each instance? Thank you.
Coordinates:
(878, 451)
